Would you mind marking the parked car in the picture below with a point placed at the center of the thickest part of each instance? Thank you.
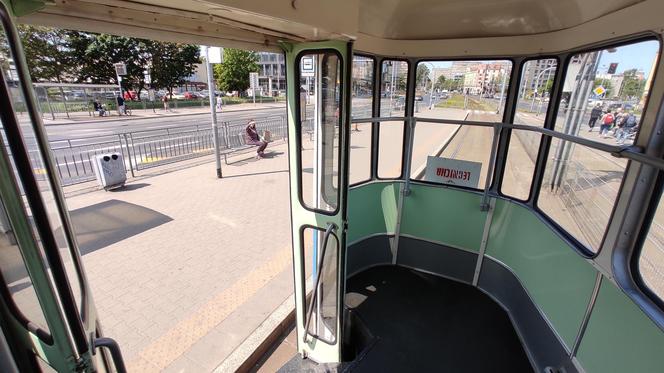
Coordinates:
(419, 98)
(130, 95)
(192, 95)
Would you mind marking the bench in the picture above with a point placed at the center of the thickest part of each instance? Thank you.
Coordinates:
(243, 146)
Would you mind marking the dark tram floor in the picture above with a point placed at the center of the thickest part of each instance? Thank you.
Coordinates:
(425, 323)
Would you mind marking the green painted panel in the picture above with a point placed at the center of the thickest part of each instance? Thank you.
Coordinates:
(556, 277)
(449, 216)
(372, 208)
(620, 337)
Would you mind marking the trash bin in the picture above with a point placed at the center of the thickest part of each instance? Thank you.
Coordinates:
(110, 170)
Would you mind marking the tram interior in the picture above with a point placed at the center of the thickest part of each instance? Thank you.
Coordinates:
(397, 270)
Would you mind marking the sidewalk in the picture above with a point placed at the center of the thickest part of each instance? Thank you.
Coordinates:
(79, 117)
(184, 266)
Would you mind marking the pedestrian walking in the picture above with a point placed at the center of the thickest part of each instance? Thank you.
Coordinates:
(629, 127)
(165, 101)
(219, 103)
(595, 113)
(254, 139)
(606, 123)
(121, 105)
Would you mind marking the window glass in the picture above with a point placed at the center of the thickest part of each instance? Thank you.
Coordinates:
(323, 322)
(532, 104)
(48, 194)
(604, 94)
(579, 190)
(451, 154)
(15, 273)
(390, 149)
(459, 90)
(361, 107)
(393, 83)
(651, 260)
(320, 93)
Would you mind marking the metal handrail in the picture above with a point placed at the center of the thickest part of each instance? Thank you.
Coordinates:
(633, 153)
(331, 227)
(114, 349)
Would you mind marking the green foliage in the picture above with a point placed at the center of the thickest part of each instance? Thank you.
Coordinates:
(233, 73)
(632, 86)
(65, 56)
(171, 63)
(48, 53)
(422, 75)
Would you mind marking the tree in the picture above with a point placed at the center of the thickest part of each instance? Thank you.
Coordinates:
(422, 75)
(440, 82)
(97, 54)
(171, 63)
(632, 86)
(233, 73)
(48, 54)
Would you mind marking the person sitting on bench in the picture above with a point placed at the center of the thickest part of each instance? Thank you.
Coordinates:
(99, 108)
(254, 139)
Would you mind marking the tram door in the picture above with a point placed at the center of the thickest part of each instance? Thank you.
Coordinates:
(47, 315)
(318, 113)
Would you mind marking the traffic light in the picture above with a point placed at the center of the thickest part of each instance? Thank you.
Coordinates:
(612, 68)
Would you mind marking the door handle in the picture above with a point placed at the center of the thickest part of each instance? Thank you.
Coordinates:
(331, 227)
(114, 349)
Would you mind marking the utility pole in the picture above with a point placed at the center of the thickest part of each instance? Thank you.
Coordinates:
(213, 111)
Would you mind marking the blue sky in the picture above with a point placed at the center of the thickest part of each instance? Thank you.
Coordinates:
(640, 56)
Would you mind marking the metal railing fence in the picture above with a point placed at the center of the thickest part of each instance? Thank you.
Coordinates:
(141, 150)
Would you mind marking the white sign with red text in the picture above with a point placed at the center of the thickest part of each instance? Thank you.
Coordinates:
(453, 172)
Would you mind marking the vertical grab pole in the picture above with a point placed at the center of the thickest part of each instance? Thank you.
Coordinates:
(213, 112)
(497, 130)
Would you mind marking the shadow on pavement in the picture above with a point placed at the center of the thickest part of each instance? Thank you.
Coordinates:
(108, 222)
(129, 187)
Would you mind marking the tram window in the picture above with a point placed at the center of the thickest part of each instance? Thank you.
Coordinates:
(614, 80)
(361, 107)
(458, 90)
(452, 143)
(393, 82)
(537, 78)
(532, 104)
(390, 149)
(15, 274)
(520, 164)
(579, 190)
(323, 322)
(320, 93)
(48, 194)
(651, 258)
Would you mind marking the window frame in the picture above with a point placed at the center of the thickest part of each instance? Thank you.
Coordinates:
(544, 125)
(508, 92)
(374, 72)
(580, 248)
(298, 127)
(404, 139)
(303, 272)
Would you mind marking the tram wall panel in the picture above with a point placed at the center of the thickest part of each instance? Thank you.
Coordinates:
(530, 141)
(557, 278)
(619, 336)
(444, 215)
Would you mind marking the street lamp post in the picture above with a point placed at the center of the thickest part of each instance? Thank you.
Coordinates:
(431, 77)
(532, 103)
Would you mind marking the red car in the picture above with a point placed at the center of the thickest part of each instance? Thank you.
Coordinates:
(130, 95)
(191, 95)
